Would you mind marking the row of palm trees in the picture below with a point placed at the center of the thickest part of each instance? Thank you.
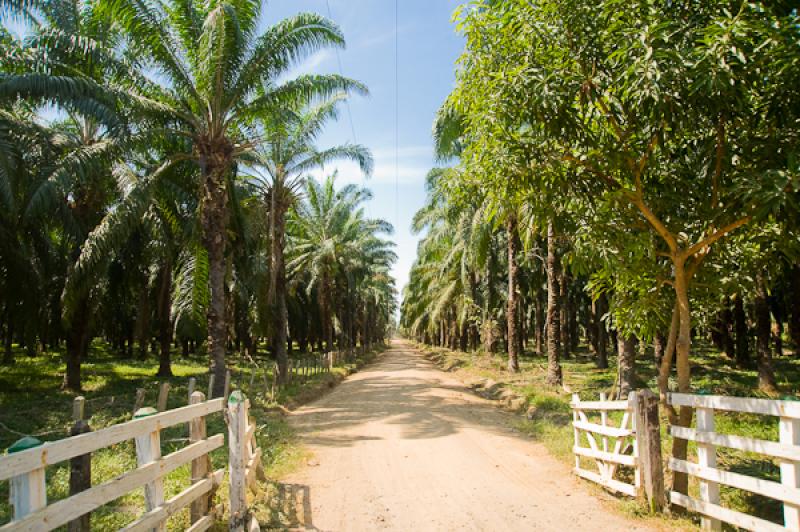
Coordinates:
(154, 174)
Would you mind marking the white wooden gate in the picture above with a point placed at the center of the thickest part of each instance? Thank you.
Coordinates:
(609, 446)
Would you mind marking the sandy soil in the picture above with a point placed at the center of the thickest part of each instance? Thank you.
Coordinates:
(401, 445)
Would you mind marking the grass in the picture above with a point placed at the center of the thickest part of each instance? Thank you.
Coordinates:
(549, 414)
(32, 402)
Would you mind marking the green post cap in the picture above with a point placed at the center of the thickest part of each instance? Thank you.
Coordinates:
(23, 444)
(145, 412)
(236, 397)
(703, 391)
(790, 398)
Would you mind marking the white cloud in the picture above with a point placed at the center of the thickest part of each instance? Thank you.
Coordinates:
(414, 163)
(420, 152)
(349, 172)
(311, 64)
(378, 38)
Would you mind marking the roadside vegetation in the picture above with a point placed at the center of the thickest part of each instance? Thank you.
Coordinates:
(619, 183)
(35, 405)
(546, 416)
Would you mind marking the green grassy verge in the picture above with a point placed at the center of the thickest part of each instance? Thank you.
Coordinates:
(549, 415)
(33, 403)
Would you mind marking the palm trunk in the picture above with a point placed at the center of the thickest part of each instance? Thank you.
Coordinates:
(165, 321)
(214, 219)
(538, 331)
(601, 335)
(8, 353)
(511, 313)
(726, 319)
(554, 375)
(564, 314)
(280, 315)
(659, 346)
(77, 344)
(766, 373)
(489, 339)
(327, 318)
(794, 308)
(143, 321)
(740, 327)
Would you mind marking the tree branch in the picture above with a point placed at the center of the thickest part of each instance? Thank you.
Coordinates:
(716, 235)
(657, 224)
(610, 181)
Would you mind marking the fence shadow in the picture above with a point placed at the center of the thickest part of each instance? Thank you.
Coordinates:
(290, 507)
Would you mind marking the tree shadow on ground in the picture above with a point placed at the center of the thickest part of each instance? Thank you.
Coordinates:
(390, 392)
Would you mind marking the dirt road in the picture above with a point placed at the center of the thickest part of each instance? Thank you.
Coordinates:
(404, 446)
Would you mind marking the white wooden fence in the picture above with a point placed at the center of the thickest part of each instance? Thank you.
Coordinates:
(26, 471)
(244, 462)
(786, 451)
(609, 446)
(26, 468)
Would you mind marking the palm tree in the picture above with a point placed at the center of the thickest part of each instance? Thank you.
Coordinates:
(216, 75)
(89, 137)
(285, 158)
(329, 240)
(31, 265)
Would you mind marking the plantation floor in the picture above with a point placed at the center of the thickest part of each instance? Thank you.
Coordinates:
(403, 446)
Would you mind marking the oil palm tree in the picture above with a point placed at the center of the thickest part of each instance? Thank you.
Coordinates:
(284, 160)
(329, 236)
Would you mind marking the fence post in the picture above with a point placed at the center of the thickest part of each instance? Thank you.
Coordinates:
(237, 430)
(163, 395)
(607, 469)
(576, 399)
(201, 466)
(28, 491)
(139, 401)
(210, 393)
(648, 442)
(707, 457)
(80, 471)
(790, 470)
(148, 449)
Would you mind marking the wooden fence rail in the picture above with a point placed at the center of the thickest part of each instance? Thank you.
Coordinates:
(26, 463)
(786, 451)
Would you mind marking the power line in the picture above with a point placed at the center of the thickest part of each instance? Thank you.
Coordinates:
(347, 107)
(396, 114)
(341, 73)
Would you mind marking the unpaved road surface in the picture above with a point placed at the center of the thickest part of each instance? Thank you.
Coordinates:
(401, 445)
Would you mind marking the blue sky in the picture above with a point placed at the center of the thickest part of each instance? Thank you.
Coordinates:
(428, 50)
